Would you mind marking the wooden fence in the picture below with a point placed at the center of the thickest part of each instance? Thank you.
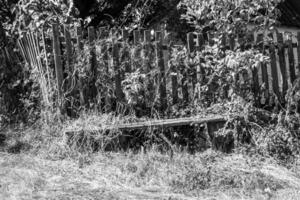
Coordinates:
(277, 77)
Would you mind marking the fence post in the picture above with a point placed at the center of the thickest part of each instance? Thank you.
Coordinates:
(58, 66)
(161, 66)
(281, 56)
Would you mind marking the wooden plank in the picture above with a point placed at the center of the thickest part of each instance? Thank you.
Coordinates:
(241, 42)
(192, 78)
(104, 48)
(104, 51)
(67, 35)
(91, 37)
(30, 50)
(149, 85)
(91, 34)
(58, 66)
(184, 85)
(126, 54)
(159, 123)
(26, 48)
(147, 36)
(190, 42)
(44, 81)
(210, 37)
(79, 38)
(200, 41)
(256, 85)
(136, 37)
(231, 41)
(281, 57)
(137, 50)
(161, 66)
(274, 71)
(46, 57)
(146, 51)
(117, 72)
(298, 53)
(223, 41)
(170, 123)
(21, 47)
(125, 35)
(264, 70)
(249, 42)
(35, 48)
(80, 82)
(291, 60)
(174, 82)
(92, 92)
(200, 70)
(37, 45)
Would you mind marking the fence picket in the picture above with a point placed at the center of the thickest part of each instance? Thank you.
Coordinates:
(136, 37)
(274, 70)
(264, 70)
(106, 95)
(190, 42)
(161, 66)
(149, 89)
(58, 66)
(231, 41)
(68, 49)
(125, 54)
(117, 72)
(79, 49)
(298, 52)
(255, 83)
(281, 57)
(291, 60)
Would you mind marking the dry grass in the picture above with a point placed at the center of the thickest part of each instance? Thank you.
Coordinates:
(146, 175)
(52, 170)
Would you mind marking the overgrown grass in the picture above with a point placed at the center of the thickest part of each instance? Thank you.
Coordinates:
(47, 168)
(146, 175)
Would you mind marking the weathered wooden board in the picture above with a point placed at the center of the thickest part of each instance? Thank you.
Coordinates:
(163, 123)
